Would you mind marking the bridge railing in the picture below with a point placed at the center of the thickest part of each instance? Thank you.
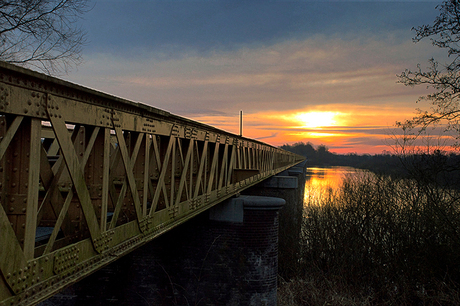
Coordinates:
(86, 177)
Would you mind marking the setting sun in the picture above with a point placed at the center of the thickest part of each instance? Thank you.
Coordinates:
(316, 119)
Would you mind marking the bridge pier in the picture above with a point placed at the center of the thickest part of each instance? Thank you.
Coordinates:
(290, 186)
(87, 178)
(227, 256)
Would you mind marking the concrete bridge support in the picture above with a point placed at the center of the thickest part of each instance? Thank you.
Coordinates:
(227, 256)
(290, 186)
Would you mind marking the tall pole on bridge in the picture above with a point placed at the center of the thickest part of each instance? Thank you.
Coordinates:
(241, 123)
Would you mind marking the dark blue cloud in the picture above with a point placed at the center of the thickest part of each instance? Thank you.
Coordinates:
(203, 26)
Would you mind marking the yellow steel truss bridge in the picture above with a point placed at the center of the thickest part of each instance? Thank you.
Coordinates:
(86, 177)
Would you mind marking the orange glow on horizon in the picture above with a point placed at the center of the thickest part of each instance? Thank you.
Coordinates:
(358, 130)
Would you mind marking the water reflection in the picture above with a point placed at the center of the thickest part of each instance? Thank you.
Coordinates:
(321, 180)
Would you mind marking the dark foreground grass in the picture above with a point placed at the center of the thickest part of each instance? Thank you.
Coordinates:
(378, 241)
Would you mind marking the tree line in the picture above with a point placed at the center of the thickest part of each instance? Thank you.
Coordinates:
(321, 156)
(437, 167)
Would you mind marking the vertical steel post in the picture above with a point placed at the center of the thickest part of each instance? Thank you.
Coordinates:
(241, 123)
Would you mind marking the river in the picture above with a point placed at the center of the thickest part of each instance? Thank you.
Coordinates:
(320, 180)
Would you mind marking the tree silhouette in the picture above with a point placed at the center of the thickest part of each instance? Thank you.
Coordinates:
(42, 33)
(443, 79)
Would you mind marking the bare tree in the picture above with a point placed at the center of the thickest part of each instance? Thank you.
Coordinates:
(442, 79)
(42, 33)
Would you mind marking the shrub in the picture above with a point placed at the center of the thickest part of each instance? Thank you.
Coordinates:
(379, 240)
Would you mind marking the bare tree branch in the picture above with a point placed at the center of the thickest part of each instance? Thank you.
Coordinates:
(443, 80)
(42, 33)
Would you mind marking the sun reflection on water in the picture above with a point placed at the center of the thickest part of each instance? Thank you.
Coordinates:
(321, 182)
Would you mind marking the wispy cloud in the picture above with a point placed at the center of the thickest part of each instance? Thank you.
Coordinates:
(209, 60)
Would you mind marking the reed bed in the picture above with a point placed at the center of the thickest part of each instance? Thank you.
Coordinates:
(378, 240)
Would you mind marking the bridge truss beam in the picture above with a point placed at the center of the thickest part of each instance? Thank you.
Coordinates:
(86, 177)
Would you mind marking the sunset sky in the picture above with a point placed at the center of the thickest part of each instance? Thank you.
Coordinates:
(315, 71)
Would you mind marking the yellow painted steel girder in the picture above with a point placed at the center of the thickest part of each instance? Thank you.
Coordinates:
(86, 177)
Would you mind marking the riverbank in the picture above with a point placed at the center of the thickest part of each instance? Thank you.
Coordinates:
(378, 240)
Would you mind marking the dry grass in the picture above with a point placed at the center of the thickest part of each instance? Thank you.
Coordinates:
(318, 291)
(379, 241)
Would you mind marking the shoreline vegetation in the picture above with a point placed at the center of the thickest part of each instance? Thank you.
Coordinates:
(388, 236)
(437, 167)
